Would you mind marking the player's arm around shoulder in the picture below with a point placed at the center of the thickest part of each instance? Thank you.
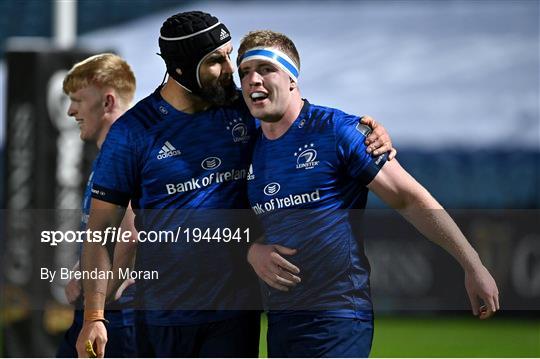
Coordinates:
(379, 140)
(397, 188)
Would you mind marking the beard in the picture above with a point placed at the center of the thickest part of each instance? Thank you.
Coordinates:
(222, 93)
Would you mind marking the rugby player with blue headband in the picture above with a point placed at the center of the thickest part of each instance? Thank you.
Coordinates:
(310, 177)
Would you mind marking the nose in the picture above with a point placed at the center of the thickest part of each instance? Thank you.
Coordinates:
(254, 78)
(71, 110)
(228, 67)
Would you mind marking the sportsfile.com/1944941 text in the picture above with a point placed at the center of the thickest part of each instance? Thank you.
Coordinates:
(116, 235)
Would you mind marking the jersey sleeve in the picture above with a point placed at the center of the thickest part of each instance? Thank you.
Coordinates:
(115, 173)
(351, 150)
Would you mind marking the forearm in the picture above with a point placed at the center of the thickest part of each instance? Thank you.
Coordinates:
(94, 257)
(432, 220)
(399, 190)
(124, 258)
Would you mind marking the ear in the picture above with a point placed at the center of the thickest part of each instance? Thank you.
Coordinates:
(292, 85)
(110, 102)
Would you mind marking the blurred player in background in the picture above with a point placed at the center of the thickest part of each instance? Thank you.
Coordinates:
(158, 155)
(310, 168)
(101, 89)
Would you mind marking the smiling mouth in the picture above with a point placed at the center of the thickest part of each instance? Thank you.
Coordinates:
(258, 96)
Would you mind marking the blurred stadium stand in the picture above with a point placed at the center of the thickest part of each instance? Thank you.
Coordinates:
(34, 18)
(24, 18)
(481, 179)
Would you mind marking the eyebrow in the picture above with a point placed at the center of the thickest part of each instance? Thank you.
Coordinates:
(244, 67)
(218, 55)
(215, 56)
(257, 66)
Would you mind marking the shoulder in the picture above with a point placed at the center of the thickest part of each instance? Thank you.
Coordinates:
(141, 117)
(132, 126)
(329, 118)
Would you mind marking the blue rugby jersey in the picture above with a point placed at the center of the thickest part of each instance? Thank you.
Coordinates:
(161, 158)
(123, 314)
(302, 187)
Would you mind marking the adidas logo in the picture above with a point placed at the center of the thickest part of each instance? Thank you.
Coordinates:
(250, 175)
(223, 35)
(168, 150)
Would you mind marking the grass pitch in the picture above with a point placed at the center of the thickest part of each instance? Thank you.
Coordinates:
(445, 336)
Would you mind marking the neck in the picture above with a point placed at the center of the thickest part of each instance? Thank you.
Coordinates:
(275, 129)
(182, 100)
(103, 134)
(109, 119)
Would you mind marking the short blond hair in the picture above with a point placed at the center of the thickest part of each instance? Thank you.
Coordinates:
(102, 70)
(269, 38)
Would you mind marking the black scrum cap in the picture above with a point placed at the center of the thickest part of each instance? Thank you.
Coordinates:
(185, 40)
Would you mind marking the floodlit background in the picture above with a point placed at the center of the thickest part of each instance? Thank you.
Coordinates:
(456, 83)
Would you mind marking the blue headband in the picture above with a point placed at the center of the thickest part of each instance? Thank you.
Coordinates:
(274, 56)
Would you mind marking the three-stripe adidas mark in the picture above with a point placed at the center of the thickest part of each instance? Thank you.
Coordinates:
(168, 150)
(223, 35)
